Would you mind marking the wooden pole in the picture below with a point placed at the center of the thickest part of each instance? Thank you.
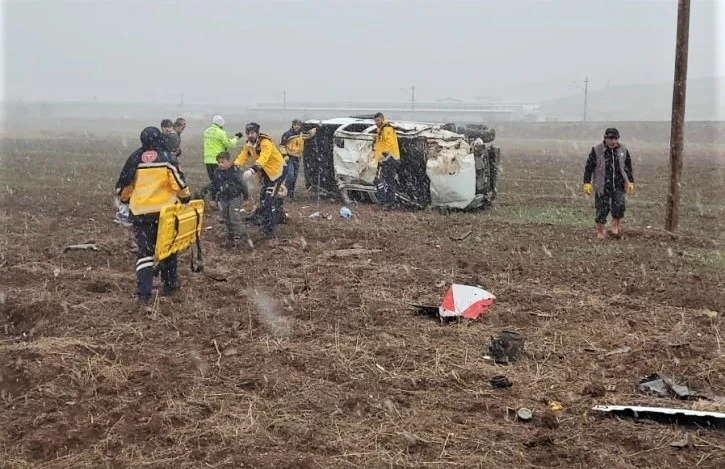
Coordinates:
(678, 115)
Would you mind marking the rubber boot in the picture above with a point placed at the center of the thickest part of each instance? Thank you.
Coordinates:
(601, 234)
(615, 227)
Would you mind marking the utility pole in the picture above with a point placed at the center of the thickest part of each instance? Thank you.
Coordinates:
(586, 95)
(412, 99)
(585, 89)
(284, 100)
(678, 114)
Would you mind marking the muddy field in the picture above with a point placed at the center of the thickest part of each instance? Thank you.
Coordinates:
(302, 359)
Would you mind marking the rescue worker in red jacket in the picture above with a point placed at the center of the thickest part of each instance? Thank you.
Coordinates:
(269, 164)
(150, 181)
(386, 154)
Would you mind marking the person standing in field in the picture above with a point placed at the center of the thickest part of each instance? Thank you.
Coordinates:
(172, 140)
(150, 181)
(386, 154)
(166, 128)
(268, 163)
(608, 173)
(292, 145)
(216, 141)
(179, 127)
(174, 137)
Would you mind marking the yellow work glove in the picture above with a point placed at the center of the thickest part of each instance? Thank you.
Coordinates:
(630, 188)
(588, 189)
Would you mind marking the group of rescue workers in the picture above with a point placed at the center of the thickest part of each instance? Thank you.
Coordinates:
(152, 179)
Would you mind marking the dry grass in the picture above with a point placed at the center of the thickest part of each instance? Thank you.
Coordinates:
(301, 359)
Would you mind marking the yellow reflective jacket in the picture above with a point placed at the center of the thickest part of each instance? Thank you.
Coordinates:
(264, 156)
(215, 142)
(293, 142)
(150, 181)
(386, 141)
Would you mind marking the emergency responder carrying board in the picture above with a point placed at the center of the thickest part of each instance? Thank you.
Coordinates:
(216, 141)
(150, 181)
(292, 145)
(269, 164)
(387, 156)
(610, 167)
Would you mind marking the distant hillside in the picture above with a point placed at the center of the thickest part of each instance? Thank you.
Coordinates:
(653, 102)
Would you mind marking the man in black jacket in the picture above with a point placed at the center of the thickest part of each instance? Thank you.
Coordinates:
(609, 168)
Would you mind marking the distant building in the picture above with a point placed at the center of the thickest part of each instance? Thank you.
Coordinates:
(445, 110)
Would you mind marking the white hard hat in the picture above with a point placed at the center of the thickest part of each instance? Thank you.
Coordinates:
(218, 120)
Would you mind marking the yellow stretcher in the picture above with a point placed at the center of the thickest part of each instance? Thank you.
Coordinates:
(179, 227)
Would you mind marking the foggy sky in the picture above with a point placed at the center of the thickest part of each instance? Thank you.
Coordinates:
(244, 52)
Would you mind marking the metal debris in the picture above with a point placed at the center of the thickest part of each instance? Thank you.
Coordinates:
(618, 351)
(524, 414)
(350, 252)
(663, 386)
(507, 347)
(501, 381)
(82, 247)
(667, 415)
(461, 237)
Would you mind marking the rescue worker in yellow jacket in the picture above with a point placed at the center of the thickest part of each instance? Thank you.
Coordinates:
(268, 163)
(387, 156)
(150, 181)
(292, 145)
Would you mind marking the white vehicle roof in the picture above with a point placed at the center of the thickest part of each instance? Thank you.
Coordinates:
(338, 121)
(407, 127)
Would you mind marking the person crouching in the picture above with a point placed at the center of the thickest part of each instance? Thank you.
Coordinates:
(150, 181)
(269, 164)
(230, 190)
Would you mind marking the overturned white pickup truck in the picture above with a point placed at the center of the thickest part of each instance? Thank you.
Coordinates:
(442, 165)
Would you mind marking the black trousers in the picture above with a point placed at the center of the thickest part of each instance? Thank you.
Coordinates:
(146, 228)
(210, 168)
(387, 182)
(270, 203)
(610, 202)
